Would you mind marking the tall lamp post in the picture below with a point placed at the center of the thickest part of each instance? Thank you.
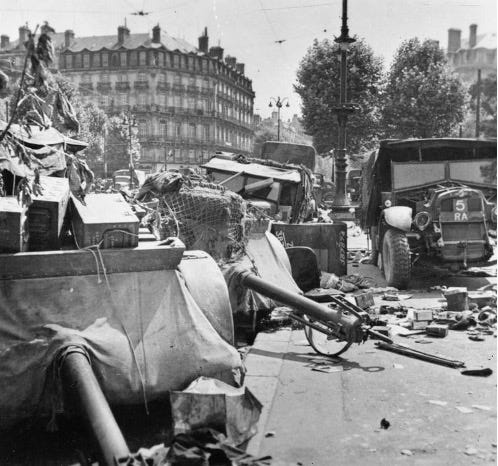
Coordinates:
(130, 122)
(343, 110)
(278, 103)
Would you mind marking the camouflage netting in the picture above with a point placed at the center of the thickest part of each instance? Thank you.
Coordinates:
(204, 216)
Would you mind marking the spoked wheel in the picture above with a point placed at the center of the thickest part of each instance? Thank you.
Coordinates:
(321, 342)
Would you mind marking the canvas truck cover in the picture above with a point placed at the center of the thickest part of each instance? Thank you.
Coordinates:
(253, 169)
(471, 162)
(285, 152)
(144, 332)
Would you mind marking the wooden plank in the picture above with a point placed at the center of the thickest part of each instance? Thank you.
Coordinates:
(146, 257)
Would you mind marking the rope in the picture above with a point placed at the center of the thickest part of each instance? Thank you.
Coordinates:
(100, 260)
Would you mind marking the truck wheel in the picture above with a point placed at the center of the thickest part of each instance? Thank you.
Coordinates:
(396, 259)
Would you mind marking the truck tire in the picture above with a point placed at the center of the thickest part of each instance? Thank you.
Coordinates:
(396, 261)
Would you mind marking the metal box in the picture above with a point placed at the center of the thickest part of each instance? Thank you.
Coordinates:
(106, 220)
(46, 214)
(329, 241)
(13, 225)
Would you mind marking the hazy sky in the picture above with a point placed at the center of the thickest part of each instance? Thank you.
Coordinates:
(249, 29)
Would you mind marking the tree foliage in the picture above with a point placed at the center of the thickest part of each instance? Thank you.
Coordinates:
(121, 139)
(422, 97)
(318, 84)
(261, 135)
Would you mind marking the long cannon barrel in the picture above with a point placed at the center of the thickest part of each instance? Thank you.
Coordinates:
(81, 386)
(349, 324)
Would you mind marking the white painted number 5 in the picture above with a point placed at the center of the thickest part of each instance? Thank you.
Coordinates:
(460, 205)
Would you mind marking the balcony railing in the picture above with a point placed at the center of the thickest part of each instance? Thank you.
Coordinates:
(178, 87)
(86, 86)
(193, 89)
(122, 86)
(163, 87)
(141, 85)
(104, 86)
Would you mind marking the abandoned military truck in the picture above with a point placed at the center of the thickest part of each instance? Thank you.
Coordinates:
(432, 200)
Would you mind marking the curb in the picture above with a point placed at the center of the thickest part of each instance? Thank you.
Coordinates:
(263, 364)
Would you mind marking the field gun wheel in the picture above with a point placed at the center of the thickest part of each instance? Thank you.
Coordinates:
(322, 343)
(396, 262)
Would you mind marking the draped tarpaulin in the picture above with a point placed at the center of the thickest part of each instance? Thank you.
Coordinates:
(143, 330)
(266, 257)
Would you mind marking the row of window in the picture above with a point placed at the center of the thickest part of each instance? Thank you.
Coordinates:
(159, 58)
(172, 79)
(185, 130)
(175, 155)
(178, 102)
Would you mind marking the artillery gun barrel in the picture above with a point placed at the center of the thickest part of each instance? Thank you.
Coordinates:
(349, 324)
(81, 385)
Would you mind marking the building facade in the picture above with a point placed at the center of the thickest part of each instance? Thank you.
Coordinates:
(187, 101)
(467, 56)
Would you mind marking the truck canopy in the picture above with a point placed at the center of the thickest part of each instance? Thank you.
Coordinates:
(403, 165)
(288, 153)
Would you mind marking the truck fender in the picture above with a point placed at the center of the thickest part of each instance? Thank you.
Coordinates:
(399, 217)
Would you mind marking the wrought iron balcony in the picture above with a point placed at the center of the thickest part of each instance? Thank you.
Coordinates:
(104, 86)
(141, 85)
(122, 86)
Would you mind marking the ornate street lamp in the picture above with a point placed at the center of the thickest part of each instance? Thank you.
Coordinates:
(278, 103)
(345, 108)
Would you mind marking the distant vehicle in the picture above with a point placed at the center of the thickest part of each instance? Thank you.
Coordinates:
(431, 199)
(274, 188)
(121, 178)
(300, 154)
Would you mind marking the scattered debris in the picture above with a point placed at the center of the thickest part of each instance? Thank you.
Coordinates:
(327, 369)
(270, 433)
(437, 330)
(438, 403)
(384, 424)
(481, 407)
(407, 452)
(464, 410)
(478, 372)
(201, 446)
(476, 337)
(470, 451)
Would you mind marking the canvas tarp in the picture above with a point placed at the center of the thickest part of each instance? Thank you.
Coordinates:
(265, 256)
(144, 332)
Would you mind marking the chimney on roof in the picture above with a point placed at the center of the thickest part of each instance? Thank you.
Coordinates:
(472, 35)
(204, 41)
(123, 33)
(23, 35)
(156, 34)
(68, 37)
(230, 61)
(240, 68)
(216, 52)
(454, 40)
(4, 41)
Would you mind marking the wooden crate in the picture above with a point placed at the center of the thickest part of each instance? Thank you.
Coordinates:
(13, 226)
(106, 220)
(46, 214)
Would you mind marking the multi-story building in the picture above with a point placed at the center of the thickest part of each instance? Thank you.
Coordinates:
(187, 101)
(476, 53)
